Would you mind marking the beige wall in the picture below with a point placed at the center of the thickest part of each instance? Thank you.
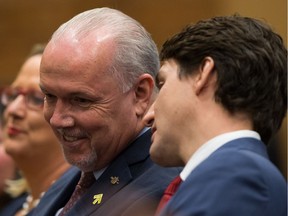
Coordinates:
(23, 23)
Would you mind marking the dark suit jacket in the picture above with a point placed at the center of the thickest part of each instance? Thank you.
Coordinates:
(13, 206)
(141, 185)
(236, 180)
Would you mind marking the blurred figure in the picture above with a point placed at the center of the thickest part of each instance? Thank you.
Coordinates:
(28, 139)
(7, 171)
(223, 95)
(7, 168)
(97, 74)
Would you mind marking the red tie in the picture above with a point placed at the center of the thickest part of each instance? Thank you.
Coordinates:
(169, 192)
(84, 183)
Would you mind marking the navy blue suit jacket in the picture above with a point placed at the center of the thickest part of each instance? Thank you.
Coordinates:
(141, 185)
(236, 180)
(13, 206)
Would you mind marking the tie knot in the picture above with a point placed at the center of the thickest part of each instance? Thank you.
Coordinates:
(86, 180)
(173, 186)
(168, 193)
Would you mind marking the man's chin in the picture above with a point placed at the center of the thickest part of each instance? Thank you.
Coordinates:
(158, 158)
(84, 164)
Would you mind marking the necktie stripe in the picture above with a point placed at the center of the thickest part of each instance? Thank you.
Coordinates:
(168, 193)
(84, 183)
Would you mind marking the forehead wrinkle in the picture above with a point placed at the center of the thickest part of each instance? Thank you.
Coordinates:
(91, 66)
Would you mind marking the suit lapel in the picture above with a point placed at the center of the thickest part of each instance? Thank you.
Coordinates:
(103, 189)
(59, 193)
(115, 177)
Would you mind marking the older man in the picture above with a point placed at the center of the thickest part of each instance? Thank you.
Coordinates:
(97, 74)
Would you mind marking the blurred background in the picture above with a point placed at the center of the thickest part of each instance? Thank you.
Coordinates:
(24, 23)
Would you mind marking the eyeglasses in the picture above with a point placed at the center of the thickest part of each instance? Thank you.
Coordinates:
(33, 99)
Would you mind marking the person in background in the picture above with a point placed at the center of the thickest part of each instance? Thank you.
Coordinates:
(7, 171)
(97, 74)
(28, 139)
(223, 95)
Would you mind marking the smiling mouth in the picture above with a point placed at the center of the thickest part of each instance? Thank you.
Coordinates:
(70, 138)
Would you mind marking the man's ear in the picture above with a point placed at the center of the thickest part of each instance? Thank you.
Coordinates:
(206, 75)
(143, 94)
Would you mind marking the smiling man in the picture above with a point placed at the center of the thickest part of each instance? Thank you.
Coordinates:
(97, 74)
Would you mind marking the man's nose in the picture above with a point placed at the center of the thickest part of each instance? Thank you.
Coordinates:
(59, 116)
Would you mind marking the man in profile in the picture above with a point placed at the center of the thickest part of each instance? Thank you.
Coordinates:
(223, 95)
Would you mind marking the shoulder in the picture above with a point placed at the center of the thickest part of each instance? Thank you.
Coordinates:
(233, 181)
(13, 206)
(243, 160)
(239, 167)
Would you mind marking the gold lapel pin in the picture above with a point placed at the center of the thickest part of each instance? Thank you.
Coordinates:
(97, 199)
(114, 180)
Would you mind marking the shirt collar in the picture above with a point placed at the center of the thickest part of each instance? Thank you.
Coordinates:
(211, 146)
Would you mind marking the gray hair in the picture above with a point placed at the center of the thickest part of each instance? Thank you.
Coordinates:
(136, 52)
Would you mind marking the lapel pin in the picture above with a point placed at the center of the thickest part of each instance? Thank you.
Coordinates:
(114, 180)
(97, 199)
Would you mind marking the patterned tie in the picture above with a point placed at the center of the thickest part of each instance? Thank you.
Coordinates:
(84, 183)
(169, 192)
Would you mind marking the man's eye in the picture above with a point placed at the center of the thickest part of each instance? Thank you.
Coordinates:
(160, 84)
(82, 102)
(49, 97)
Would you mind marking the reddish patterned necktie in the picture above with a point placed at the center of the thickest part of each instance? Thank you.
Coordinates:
(84, 183)
(169, 192)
